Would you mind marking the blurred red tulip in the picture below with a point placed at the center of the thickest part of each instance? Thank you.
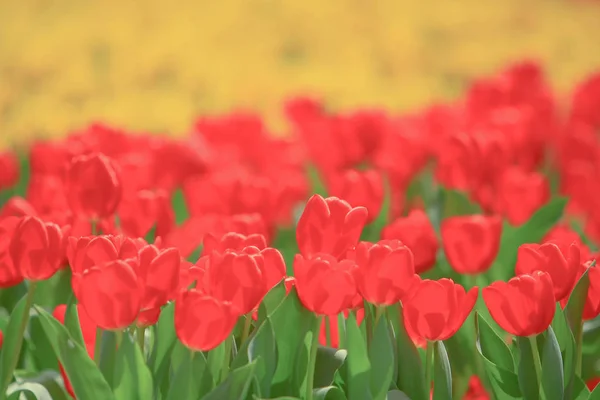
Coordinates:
(93, 186)
(435, 310)
(17, 207)
(10, 275)
(385, 272)
(325, 285)
(144, 210)
(416, 232)
(523, 306)
(111, 294)
(471, 243)
(591, 307)
(9, 170)
(359, 188)
(520, 194)
(201, 321)
(329, 226)
(561, 266)
(476, 390)
(37, 248)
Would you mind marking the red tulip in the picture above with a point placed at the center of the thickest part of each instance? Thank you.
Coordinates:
(416, 232)
(10, 275)
(229, 241)
(385, 271)
(144, 210)
(435, 310)
(37, 248)
(520, 194)
(591, 308)
(148, 317)
(562, 266)
(471, 243)
(17, 207)
(476, 390)
(88, 331)
(111, 294)
(201, 321)
(1, 339)
(592, 383)
(325, 285)
(9, 170)
(523, 306)
(360, 188)
(159, 271)
(329, 226)
(238, 277)
(93, 187)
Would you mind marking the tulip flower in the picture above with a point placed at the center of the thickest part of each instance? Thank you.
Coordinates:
(9, 170)
(562, 265)
(359, 188)
(329, 226)
(471, 243)
(435, 310)
(416, 232)
(201, 321)
(385, 271)
(37, 248)
(523, 306)
(159, 271)
(591, 308)
(325, 285)
(520, 194)
(93, 187)
(145, 209)
(10, 275)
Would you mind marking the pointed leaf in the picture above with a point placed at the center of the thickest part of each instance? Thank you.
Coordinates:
(358, 364)
(132, 379)
(329, 393)
(528, 381)
(442, 374)
(192, 379)
(236, 386)
(329, 361)
(552, 368)
(381, 357)
(492, 346)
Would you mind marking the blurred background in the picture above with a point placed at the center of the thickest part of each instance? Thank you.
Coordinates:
(155, 65)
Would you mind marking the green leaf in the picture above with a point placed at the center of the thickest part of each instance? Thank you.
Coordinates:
(28, 390)
(329, 361)
(87, 381)
(397, 395)
(271, 301)
(261, 347)
(39, 347)
(236, 386)
(108, 355)
(192, 379)
(381, 357)
(492, 346)
(316, 183)
(164, 341)
(595, 395)
(528, 381)
(132, 379)
(442, 374)
(411, 379)
(532, 231)
(216, 358)
(580, 390)
(290, 322)
(51, 380)
(574, 315)
(552, 368)
(72, 322)
(329, 393)
(55, 290)
(358, 364)
(13, 340)
(456, 202)
(179, 207)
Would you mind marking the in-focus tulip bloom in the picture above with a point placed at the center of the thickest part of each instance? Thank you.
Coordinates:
(359, 188)
(10, 275)
(159, 271)
(523, 306)
(243, 278)
(93, 186)
(562, 266)
(201, 321)
(37, 248)
(229, 241)
(329, 226)
(325, 285)
(416, 232)
(385, 272)
(88, 331)
(471, 243)
(111, 294)
(435, 310)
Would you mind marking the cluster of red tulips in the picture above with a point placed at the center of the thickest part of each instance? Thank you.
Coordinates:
(340, 261)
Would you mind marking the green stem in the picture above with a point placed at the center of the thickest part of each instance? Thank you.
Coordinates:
(16, 350)
(429, 364)
(578, 349)
(141, 337)
(246, 329)
(98, 346)
(327, 322)
(536, 358)
(369, 322)
(227, 359)
(312, 361)
(379, 311)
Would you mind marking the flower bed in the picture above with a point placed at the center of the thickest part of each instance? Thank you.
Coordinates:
(446, 253)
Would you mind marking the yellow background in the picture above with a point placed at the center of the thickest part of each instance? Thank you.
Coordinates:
(156, 64)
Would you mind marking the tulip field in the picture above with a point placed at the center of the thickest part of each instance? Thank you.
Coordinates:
(447, 253)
